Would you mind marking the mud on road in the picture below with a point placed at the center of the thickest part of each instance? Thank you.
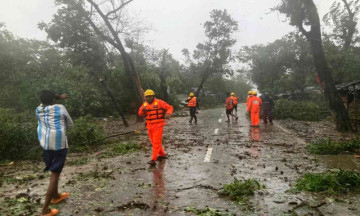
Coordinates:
(202, 158)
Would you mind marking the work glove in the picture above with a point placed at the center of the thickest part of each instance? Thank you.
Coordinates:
(144, 109)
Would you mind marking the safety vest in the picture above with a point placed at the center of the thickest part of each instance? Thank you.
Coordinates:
(192, 102)
(154, 113)
(235, 100)
(229, 103)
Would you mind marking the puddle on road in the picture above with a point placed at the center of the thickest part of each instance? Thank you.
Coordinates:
(340, 161)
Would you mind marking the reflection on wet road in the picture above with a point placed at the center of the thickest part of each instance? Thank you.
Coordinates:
(159, 188)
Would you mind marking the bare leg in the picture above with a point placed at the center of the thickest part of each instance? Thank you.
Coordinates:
(52, 192)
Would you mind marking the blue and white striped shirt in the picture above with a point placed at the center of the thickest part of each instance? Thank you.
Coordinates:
(53, 121)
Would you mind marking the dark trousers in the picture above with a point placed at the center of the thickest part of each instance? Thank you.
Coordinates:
(193, 113)
(267, 115)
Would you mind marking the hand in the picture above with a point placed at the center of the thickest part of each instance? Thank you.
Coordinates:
(63, 96)
(144, 109)
(167, 116)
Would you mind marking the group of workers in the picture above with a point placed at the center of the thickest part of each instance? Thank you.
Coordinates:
(53, 121)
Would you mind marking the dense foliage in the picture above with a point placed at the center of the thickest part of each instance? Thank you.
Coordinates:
(300, 110)
(19, 139)
(342, 181)
(326, 146)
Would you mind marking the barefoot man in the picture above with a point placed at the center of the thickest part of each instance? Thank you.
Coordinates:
(53, 120)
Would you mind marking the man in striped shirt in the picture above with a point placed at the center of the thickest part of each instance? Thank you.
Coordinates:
(53, 120)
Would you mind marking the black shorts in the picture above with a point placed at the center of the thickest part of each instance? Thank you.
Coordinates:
(229, 111)
(54, 160)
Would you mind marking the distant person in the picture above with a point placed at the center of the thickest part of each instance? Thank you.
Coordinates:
(268, 106)
(229, 104)
(53, 121)
(193, 105)
(235, 101)
(254, 109)
(155, 111)
(247, 102)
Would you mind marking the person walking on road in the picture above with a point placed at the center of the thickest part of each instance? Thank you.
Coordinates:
(53, 121)
(254, 109)
(229, 104)
(248, 97)
(193, 105)
(247, 102)
(235, 101)
(155, 111)
(268, 105)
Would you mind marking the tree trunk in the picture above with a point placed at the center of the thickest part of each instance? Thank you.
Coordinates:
(130, 70)
(163, 76)
(115, 102)
(342, 119)
(204, 78)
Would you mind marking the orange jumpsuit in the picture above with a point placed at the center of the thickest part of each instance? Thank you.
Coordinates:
(254, 108)
(155, 121)
(247, 99)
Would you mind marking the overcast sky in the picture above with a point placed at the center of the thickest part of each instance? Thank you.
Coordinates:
(176, 24)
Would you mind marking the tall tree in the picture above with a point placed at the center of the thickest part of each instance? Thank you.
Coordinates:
(214, 54)
(304, 12)
(72, 32)
(280, 66)
(109, 23)
(342, 17)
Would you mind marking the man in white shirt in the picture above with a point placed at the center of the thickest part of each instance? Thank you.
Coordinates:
(53, 121)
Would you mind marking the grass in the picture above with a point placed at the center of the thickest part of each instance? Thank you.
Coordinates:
(78, 161)
(22, 204)
(240, 191)
(325, 146)
(338, 182)
(95, 174)
(122, 148)
(208, 212)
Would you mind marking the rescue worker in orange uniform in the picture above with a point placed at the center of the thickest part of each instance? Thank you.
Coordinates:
(193, 104)
(247, 102)
(235, 101)
(155, 111)
(254, 109)
(248, 97)
(229, 104)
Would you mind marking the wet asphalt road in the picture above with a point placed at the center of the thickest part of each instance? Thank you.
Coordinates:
(202, 158)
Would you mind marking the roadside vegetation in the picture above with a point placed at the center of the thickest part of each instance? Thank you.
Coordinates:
(21, 204)
(300, 110)
(326, 146)
(241, 191)
(208, 212)
(19, 139)
(336, 182)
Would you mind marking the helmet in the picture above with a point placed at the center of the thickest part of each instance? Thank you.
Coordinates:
(149, 92)
(191, 94)
(232, 94)
(254, 93)
(250, 92)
